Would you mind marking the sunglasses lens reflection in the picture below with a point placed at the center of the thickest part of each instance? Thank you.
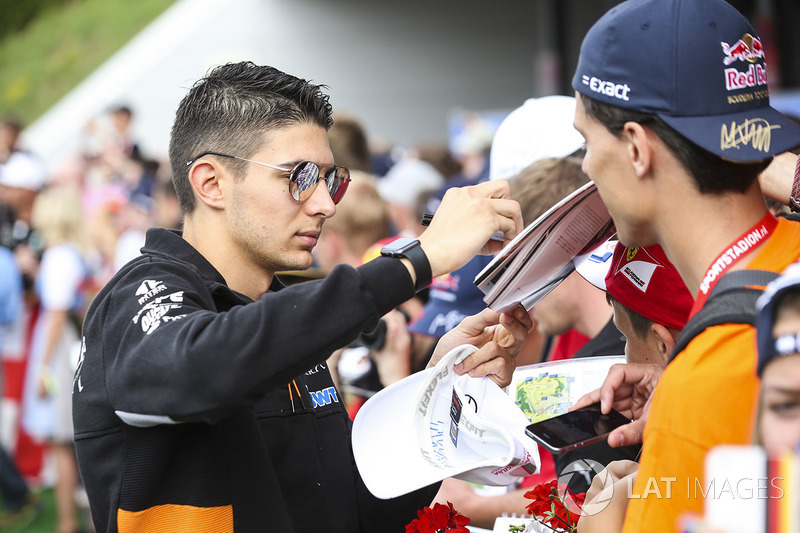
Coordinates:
(337, 183)
(306, 175)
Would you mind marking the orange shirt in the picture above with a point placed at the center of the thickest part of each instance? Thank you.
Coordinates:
(706, 396)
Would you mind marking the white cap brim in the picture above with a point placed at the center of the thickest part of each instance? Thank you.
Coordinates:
(594, 265)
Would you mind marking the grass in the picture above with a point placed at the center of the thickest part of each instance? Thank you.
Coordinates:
(45, 521)
(60, 48)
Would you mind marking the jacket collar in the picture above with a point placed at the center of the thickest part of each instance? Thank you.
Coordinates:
(171, 244)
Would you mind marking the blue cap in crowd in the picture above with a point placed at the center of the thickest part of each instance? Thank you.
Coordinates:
(697, 64)
(451, 298)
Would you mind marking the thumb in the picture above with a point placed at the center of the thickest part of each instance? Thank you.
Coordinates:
(627, 435)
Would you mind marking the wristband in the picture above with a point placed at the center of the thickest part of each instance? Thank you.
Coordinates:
(794, 199)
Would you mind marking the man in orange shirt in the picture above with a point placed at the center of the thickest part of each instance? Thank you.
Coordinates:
(674, 106)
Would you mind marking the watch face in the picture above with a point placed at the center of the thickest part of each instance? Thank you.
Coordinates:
(399, 245)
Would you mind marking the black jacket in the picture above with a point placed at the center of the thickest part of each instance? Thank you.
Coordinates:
(194, 405)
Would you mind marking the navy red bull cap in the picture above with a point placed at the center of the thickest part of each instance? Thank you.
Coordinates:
(452, 297)
(697, 64)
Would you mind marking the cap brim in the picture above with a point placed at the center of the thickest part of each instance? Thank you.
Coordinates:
(747, 136)
(593, 266)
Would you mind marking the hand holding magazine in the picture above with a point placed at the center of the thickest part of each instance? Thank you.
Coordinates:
(540, 257)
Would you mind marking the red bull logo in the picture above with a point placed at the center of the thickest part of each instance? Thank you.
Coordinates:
(447, 282)
(748, 48)
(756, 76)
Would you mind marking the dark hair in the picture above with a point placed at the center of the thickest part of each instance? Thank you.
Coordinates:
(231, 110)
(711, 173)
(640, 324)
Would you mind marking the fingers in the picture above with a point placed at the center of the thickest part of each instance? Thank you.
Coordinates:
(586, 400)
(510, 217)
(491, 360)
(621, 468)
(518, 323)
(615, 379)
(627, 435)
(465, 221)
(492, 189)
(513, 331)
(475, 325)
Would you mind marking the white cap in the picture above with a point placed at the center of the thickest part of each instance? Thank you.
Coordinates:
(407, 179)
(436, 424)
(23, 171)
(539, 128)
(594, 265)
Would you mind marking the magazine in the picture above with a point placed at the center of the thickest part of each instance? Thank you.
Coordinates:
(541, 256)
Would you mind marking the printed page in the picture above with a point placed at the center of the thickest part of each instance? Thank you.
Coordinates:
(546, 390)
(547, 256)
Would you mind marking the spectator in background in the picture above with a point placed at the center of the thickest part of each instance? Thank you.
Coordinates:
(441, 158)
(651, 306)
(471, 149)
(47, 398)
(539, 128)
(402, 189)
(21, 177)
(109, 145)
(778, 339)
(133, 220)
(166, 207)
(20, 506)
(349, 143)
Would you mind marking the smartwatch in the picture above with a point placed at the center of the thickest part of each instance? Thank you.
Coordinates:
(411, 250)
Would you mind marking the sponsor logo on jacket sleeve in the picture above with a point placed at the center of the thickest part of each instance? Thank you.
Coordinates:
(154, 309)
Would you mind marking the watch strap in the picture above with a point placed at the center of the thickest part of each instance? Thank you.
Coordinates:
(414, 253)
(422, 267)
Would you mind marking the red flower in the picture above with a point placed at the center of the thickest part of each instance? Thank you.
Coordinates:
(555, 505)
(440, 519)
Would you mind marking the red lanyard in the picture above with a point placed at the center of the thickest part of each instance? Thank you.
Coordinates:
(747, 242)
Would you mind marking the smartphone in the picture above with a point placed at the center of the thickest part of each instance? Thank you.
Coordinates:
(575, 429)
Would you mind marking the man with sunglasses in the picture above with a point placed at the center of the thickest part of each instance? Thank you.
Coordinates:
(202, 401)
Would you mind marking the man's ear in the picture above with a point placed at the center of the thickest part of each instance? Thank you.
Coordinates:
(204, 176)
(640, 148)
(662, 343)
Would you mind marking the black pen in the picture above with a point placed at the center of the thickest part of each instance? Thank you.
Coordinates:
(427, 217)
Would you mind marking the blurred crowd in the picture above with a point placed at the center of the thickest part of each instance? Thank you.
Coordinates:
(63, 234)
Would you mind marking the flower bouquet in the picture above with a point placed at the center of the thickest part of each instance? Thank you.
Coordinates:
(554, 508)
(439, 519)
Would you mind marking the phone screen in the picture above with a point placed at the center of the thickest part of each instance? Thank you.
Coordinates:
(575, 429)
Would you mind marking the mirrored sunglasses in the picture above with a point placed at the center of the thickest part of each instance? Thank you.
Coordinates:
(303, 177)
